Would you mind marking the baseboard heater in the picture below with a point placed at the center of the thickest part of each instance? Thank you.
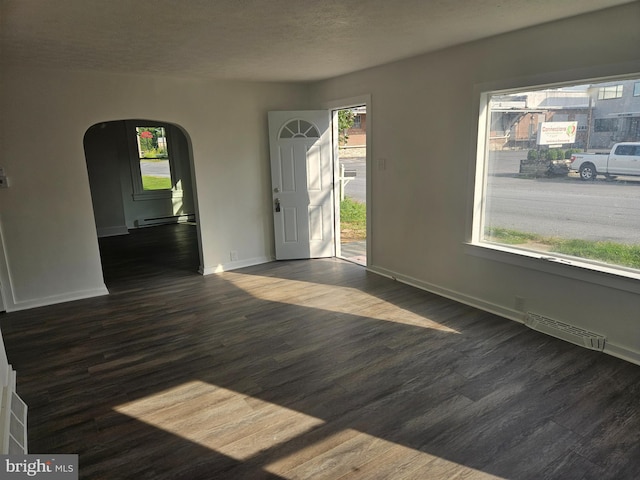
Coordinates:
(564, 331)
(146, 222)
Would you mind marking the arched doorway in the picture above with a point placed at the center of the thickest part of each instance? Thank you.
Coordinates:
(140, 175)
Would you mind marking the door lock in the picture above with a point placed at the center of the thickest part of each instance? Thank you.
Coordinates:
(277, 204)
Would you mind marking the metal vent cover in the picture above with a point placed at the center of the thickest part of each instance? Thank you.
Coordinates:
(565, 331)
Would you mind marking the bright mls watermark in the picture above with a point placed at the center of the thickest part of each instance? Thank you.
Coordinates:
(51, 467)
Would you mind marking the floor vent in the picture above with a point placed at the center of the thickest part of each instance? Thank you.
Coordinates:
(565, 331)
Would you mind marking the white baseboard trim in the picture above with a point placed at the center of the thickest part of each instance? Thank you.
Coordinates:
(12, 306)
(113, 231)
(225, 267)
(496, 309)
(622, 352)
(612, 349)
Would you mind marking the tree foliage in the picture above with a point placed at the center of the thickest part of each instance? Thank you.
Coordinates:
(345, 122)
(149, 142)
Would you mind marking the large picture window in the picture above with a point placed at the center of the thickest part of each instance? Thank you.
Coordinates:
(553, 182)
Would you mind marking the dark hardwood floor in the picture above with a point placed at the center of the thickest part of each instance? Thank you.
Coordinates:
(304, 370)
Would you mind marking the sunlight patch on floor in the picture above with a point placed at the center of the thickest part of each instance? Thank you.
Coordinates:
(334, 298)
(350, 454)
(236, 425)
(245, 428)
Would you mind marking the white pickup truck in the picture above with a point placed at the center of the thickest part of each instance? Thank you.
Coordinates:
(624, 159)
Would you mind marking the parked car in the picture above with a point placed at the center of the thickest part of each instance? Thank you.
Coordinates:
(624, 159)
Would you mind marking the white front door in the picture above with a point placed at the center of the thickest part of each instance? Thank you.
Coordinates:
(302, 184)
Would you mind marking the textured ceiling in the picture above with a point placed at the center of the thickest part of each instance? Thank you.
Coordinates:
(255, 39)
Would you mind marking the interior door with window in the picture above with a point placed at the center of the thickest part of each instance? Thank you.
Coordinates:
(302, 184)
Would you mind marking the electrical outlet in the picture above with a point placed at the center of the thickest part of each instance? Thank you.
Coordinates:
(382, 164)
(519, 304)
(233, 255)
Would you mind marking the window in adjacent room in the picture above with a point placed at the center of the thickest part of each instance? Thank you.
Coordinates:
(530, 201)
(153, 170)
(153, 158)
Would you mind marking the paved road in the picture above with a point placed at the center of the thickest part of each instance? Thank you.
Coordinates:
(356, 188)
(155, 169)
(566, 206)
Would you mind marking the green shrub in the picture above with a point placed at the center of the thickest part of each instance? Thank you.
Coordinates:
(569, 152)
(155, 153)
(550, 154)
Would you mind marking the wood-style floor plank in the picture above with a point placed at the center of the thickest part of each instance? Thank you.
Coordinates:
(304, 370)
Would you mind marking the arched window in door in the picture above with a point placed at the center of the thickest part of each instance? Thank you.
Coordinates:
(299, 129)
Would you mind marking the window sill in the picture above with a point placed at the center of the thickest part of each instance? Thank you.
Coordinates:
(158, 195)
(619, 278)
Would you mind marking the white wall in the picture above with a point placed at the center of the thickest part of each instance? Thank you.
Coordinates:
(105, 149)
(46, 215)
(424, 121)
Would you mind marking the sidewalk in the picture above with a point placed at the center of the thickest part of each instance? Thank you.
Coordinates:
(355, 252)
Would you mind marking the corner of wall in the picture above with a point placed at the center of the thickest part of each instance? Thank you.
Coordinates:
(15, 306)
(225, 267)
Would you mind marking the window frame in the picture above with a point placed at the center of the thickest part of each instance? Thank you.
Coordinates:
(618, 277)
(139, 192)
(616, 90)
(601, 125)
